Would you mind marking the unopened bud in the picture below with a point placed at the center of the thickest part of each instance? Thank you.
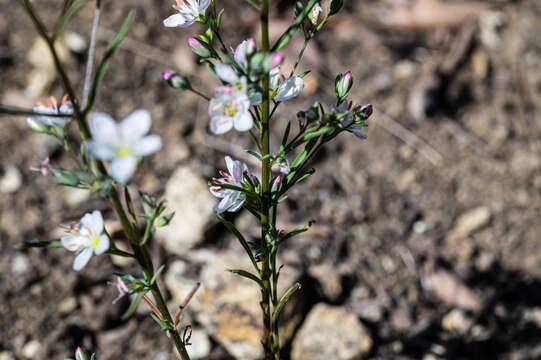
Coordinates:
(365, 111)
(336, 5)
(250, 46)
(315, 14)
(36, 126)
(80, 354)
(198, 48)
(276, 59)
(343, 84)
(276, 183)
(175, 80)
(165, 220)
(65, 177)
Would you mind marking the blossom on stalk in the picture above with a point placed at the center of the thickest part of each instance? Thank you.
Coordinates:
(189, 12)
(122, 143)
(229, 108)
(284, 89)
(232, 200)
(39, 122)
(227, 74)
(243, 50)
(281, 164)
(86, 239)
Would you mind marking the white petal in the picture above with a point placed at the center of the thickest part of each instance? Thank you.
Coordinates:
(94, 222)
(274, 76)
(226, 73)
(236, 205)
(217, 191)
(176, 20)
(148, 145)
(289, 89)
(103, 128)
(82, 259)
(203, 5)
(230, 163)
(135, 125)
(73, 242)
(103, 245)
(244, 122)
(223, 205)
(123, 168)
(221, 124)
(101, 150)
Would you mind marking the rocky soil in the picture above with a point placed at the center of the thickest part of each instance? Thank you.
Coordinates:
(426, 242)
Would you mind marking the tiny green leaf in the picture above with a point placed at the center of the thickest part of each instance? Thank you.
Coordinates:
(241, 239)
(247, 275)
(72, 10)
(133, 306)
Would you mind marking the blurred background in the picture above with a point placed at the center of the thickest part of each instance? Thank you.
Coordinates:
(426, 242)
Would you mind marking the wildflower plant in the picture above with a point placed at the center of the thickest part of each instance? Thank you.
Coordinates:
(252, 88)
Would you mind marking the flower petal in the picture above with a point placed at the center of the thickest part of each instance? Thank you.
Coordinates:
(101, 150)
(221, 124)
(73, 242)
(226, 73)
(135, 125)
(82, 259)
(217, 191)
(243, 122)
(230, 163)
(203, 5)
(94, 222)
(103, 245)
(123, 168)
(103, 128)
(236, 204)
(289, 89)
(223, 205)
(148, 145)
(177, 20)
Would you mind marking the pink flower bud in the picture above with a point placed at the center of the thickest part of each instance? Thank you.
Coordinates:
(250, 46)
(276, 59)
(198, 48)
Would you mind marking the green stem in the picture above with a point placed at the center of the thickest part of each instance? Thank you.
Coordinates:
(266, 291)
(144, 260)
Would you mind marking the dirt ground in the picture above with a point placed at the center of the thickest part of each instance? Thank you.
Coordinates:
(431, 224)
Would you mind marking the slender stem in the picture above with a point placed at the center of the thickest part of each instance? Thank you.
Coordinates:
(91, 53)
(306, 41)
(144, 260)
(197, 92)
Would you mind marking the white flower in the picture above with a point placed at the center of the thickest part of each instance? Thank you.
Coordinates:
(188, 12)
(232, 200)
(86, 239)
(229, 108)
(243, 49)
(122, 143)
(52, 107)
(228, 74)
(283, 90)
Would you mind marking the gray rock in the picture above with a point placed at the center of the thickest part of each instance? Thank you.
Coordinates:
(329, 280)
(31, 349)
(6, 355)
(188, 196)
(330, 332)
(200, 345)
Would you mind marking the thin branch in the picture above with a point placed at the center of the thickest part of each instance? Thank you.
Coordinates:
(91, 54)
(182, 306)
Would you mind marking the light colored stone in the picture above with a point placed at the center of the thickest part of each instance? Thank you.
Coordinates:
(31, 349)
(456, 321)
(74, 196)
(330, 332)
(20, 264)
(67, 305)
(188, 196)
(227, 305)
(11, 180)
(200, 345)
(469, 222)
(7, 355)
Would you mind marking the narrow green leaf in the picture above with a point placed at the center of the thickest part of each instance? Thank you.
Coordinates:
(38, 244)
(241, 239)
(300, 158)
(297, 231)
(322, 131)
(13, 110)
(286, 133)
(304, 74)
(283, 302)
(288, 34)
(156, 274)
(102, 68)
(72, 10)
(117, 252)
(306, 175)
(255, 154)
(133, 306)
(247, 275)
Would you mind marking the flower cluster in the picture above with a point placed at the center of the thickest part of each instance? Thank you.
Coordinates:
(233, 195)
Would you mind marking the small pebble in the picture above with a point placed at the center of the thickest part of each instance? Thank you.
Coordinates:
(11, 180)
